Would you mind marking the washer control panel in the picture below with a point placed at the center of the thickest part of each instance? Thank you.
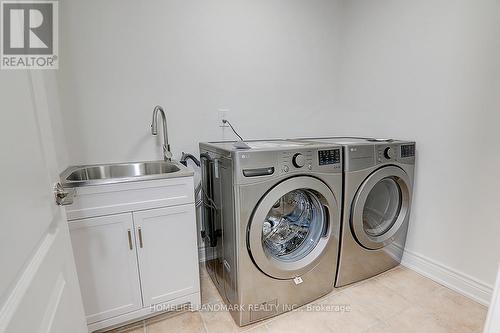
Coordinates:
(327, 157)
(254, 165)
(298, 160)
(293, 160)
(324, 160)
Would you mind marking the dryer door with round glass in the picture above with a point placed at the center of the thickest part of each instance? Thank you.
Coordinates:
(381, 206)
(291, 227)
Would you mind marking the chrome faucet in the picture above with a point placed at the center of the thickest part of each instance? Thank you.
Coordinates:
(167, 155)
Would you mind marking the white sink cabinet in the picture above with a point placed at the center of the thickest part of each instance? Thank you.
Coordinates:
(135, 248)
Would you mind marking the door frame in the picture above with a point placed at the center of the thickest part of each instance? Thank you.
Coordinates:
(492, 324)
(358, 204)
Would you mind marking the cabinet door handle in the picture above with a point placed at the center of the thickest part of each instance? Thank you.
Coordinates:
(140, 237)
(130, 239)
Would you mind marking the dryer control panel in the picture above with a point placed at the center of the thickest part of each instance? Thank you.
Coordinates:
(407, 150)
(386, 153)
(404, 153)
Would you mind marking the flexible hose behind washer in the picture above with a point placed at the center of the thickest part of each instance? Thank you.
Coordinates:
(197, 189)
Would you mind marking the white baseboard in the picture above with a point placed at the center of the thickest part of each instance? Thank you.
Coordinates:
(455, 280)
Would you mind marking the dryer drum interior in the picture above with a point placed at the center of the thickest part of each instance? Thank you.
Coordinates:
(381, 207)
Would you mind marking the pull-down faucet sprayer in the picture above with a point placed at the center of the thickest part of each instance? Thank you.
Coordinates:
(167, 155)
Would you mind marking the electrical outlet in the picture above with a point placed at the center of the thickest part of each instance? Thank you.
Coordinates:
(222, 116)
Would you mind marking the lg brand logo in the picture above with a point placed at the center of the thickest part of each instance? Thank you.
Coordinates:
(29, 34)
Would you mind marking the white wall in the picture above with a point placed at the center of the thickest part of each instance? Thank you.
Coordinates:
(424, 70)
(430, 70)
(271, 63)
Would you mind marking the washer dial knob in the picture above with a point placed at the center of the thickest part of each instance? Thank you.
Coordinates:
(298, 160)
(388, 153)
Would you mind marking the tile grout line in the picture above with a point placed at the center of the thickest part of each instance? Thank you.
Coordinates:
(428, 314)
(417, 304)
(377, 279)
(204, 323)
(379, 321)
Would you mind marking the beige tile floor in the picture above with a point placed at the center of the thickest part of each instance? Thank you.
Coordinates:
(397, 301)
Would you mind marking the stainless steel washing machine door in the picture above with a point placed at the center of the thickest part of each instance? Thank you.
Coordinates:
(291, 227)
(381, 206)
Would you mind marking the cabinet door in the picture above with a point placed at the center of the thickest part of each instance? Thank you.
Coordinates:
(167, 252)
(106, 262)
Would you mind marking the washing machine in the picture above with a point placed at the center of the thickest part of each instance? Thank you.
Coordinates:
(378, 184)
(271, 223)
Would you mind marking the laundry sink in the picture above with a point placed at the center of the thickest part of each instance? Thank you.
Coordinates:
(122, 172)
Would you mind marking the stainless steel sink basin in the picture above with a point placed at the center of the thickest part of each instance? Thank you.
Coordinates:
(122, 172)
